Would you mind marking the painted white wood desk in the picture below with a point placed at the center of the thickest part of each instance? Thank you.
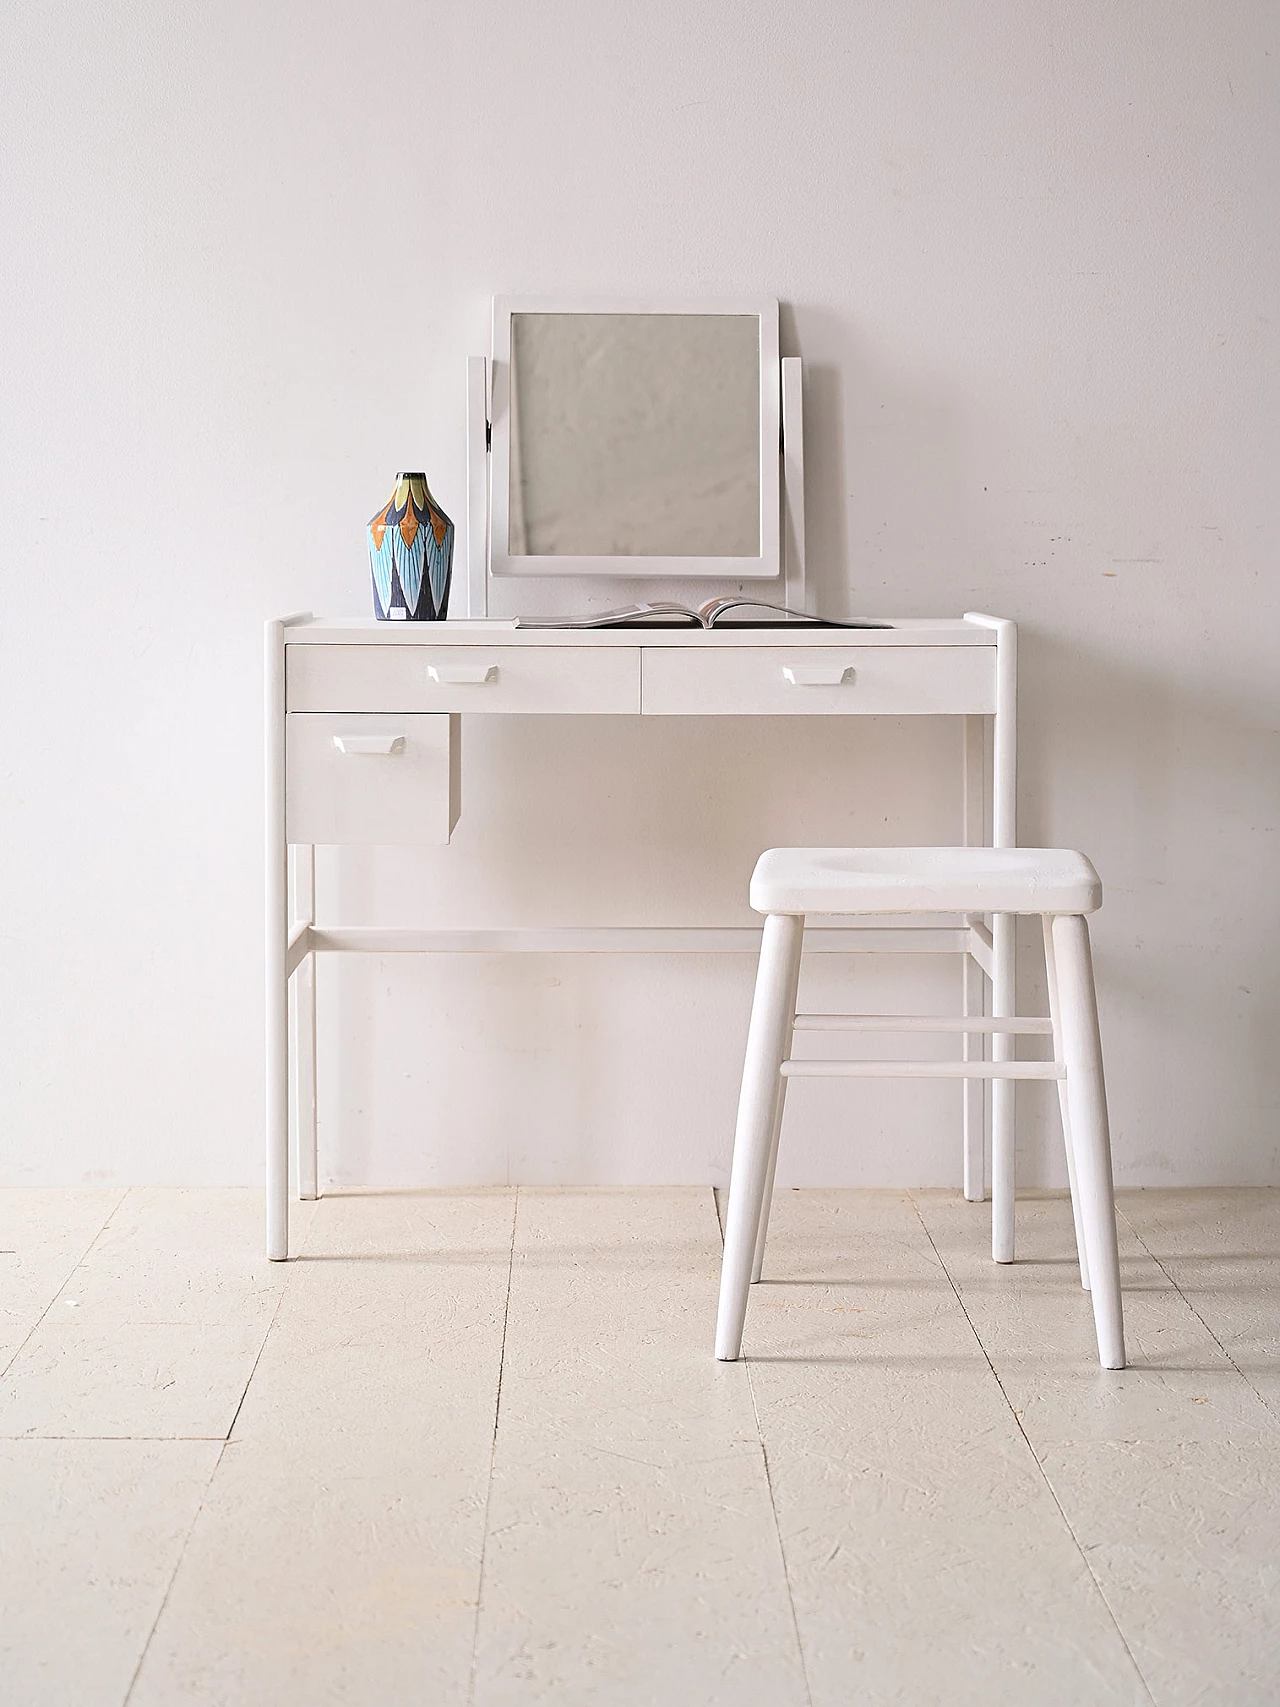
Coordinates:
(364, 746)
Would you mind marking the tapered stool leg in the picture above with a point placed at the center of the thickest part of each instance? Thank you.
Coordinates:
(772, 1016)
(1090, 1134)
(766, 1202)
(1051, 979)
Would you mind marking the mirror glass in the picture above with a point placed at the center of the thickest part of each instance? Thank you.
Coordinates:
(635, 435)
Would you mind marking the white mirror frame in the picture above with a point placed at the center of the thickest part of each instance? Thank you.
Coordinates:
(768, 565)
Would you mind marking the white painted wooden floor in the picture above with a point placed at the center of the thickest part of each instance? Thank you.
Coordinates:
(472, 1448)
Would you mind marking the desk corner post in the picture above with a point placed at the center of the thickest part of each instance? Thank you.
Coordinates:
(1004, 834)
(302, 1025)
(793, 544)
(277, 943)
(973, 979)
(477, 583)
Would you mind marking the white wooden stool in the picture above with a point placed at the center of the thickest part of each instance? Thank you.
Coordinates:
(1061, 887)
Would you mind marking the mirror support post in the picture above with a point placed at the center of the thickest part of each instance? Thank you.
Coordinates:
(477, 584)
(792, 485)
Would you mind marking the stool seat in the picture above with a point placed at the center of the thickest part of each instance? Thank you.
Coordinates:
(925, 880)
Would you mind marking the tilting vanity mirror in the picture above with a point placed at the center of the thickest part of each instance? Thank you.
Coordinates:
(634, 435)
(635, 440)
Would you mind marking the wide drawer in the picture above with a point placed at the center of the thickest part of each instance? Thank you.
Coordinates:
(462, 678)
(374, 779)
(819, 681)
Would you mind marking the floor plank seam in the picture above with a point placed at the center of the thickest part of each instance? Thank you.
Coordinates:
(493, 1452)
(217, 1464)
(168, 1587)
(140, 1439)
(267, 1335)
(1262, 1397)
(777, 1530)
(35, 1326)
(773, 1504)
(1035, 1458)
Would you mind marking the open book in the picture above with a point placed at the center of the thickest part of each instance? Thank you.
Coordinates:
(716, 613)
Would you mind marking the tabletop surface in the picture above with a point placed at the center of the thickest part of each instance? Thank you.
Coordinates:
(367, 631)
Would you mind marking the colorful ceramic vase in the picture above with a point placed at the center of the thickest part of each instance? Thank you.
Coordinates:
(411, 555)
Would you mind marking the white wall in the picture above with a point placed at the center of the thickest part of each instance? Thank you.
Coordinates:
(1029, 253)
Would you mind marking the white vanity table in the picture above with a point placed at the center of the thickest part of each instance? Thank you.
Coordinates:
(634, 442)
(366, 730)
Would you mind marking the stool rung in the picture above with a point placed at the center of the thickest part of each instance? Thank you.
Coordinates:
(924, 1022)
(923, 1070)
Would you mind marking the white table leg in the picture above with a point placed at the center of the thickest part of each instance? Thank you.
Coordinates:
(1003, 1004)
(1004, 834)
(973, 983)
(277, 945)
(302, 1009)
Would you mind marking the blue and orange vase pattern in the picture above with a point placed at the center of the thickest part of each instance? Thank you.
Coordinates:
(411, 555)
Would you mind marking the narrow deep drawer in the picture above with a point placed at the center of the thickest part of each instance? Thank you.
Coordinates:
(820, 680)
(462, 678)
(376, 779)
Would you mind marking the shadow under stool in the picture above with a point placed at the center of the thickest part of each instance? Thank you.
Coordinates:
(1058, 886)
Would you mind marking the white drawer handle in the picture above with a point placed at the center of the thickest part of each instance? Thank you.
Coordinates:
(462, 675)
(817, 675)
(381, 745)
